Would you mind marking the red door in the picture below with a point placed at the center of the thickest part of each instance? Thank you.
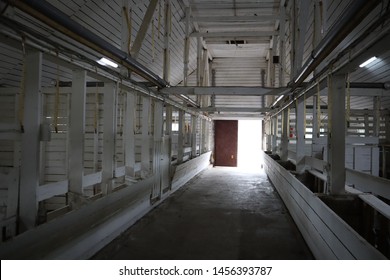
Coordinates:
(226, 136)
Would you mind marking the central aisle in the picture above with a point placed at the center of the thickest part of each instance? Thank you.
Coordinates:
(224, 213)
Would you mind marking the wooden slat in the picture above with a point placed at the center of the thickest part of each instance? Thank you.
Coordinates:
(343, 241)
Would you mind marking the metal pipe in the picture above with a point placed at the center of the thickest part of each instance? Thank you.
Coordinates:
(354, 15)
(58, 20)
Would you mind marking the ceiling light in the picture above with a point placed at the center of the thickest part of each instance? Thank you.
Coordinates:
(106, 62)
(367, 62)
(277, 100)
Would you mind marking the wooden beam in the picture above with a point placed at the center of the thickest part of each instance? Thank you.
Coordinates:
(109, 135)
(186, 46)
(143, 29)
(30, 149)
(167, 35)
(180, 141)
(211, 19)
(300, 135)
(234, 109)
(76, 133)
(303, 22)
(145, 144)
(226, 90)
(194, 125)
(285, 132)
(336, 135)
(246, 34)
(129, 137)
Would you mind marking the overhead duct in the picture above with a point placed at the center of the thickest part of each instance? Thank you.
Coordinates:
(353, 16)
(58, 20)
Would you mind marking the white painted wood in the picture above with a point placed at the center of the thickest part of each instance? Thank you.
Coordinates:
(180, 142)
(157, 147)
(318, 224)
(285, 132)
(184, 172)
(76, 132)
(143, 28)
(109, 133)
(300, 135)
(92, 179)
(187, 42)
(120, 171)
(303, 23)
(52, 189)
(336, 135)
(30, 149)
(194, 125)
(167, 39)
(368, 183)
(145, 149)
(129, 138)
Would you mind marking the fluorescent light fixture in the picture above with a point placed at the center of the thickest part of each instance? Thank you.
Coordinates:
(106, 62)
(367, 62)
(277, 100)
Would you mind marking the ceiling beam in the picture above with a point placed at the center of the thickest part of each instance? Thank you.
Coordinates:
(234, 18)
(242, 91)
(246, 34)
(234, 109)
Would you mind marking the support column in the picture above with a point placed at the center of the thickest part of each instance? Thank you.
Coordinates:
(157, 135)
(300, 134)
(285, 131)
(125, 34)
(109, 129)
(30, 149)
(129, 136)
(167, 35)
(315, 130)
(180, 140)
(336, 135)
(145, 145)
(76, 136)
(186, 46)
(377, 116)
(202, 150)
(282, 32)
(274, 122)
(194, 122)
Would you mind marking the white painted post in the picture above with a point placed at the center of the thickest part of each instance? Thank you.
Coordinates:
(377, 116)
(143, 29)
(274, 122)
(30, 150)
(109, 129)
(315, 127)
(186, 46)
(129, 137)
(285, 131)
(167, 35)
(180, 141)
(336, 135)
(282, 32)
(145, 152)
(157, 135)
(194, 124)
(300, 134)
(125, 34)
(76, 136)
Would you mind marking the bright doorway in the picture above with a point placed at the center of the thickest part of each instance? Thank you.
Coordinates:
(249, 145)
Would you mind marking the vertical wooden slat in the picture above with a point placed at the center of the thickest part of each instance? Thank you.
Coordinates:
(76, 135)
(300, 134)
(145, 152)
(109, 128)
(30, 152)
(129, 137)
(336, 135)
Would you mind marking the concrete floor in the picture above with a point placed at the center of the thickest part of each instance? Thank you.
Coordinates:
(223, 213)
